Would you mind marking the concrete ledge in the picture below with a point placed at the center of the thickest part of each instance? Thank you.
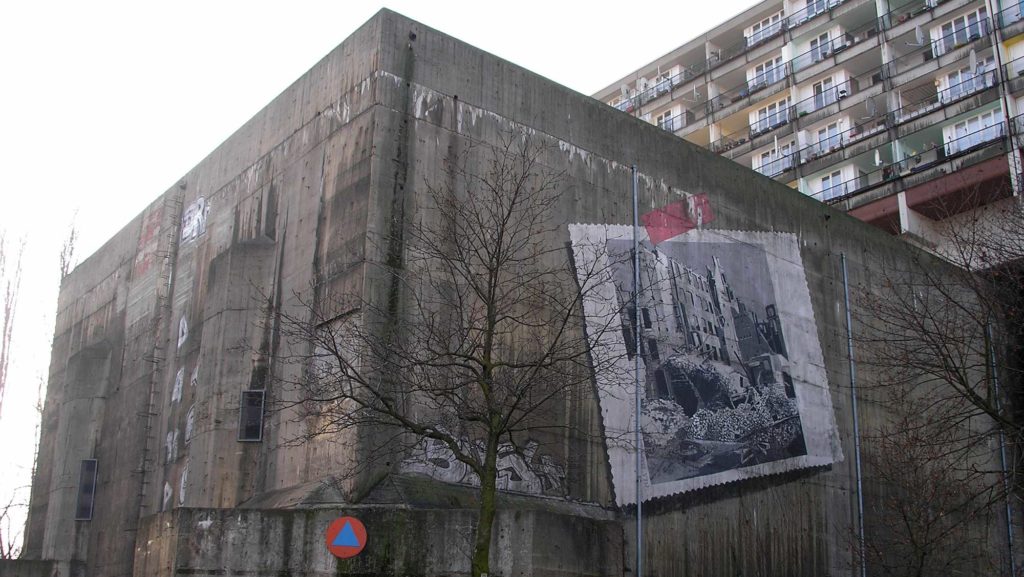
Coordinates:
(400, 541)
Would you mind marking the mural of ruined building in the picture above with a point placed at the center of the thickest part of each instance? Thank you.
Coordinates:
(732, 374)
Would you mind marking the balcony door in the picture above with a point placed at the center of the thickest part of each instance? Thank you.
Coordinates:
(824, 93)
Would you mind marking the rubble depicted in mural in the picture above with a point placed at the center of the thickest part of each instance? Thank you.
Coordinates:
(523, 471)
(719, 391)
(733, 378)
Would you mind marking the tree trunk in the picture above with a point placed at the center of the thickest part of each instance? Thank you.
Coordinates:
(488, 494)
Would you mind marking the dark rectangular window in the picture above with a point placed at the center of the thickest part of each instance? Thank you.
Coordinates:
(250, 416)
(86, 490)
(627, 336)
(646, 314)
(652, 346)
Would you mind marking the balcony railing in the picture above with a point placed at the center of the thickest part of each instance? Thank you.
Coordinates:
(961, 37)
(1010, 15)
(948, 95)
(1014, 68)
(677, 122)
(777, 166)
(834, 46)
(840, 140)
(966, 142)
(761, 127)
(763, 34)
(916, 163)
(723, 99)
(906, 12)
(827, 96)
(814, 7)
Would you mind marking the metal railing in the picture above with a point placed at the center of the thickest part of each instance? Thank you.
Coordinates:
(764, 33)
(1009, 15)
(738, 93)
(948, 95)
(826, 97)
(778, 166)
(961, 37)
(813, 8)
(1014, 68)
(886, 21)
(762, 126)
(907, 12)
(676, 122)
(933, 155)
(840, 140)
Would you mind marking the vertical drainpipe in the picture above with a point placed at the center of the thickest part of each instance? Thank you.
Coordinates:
(1002, 447)
(856, 420)
(636, 371)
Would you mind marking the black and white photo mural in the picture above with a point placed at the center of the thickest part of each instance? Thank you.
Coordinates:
(733, 378)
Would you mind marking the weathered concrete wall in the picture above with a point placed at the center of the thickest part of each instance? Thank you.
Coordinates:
(400, 541)
(304, 192)
(22, 568)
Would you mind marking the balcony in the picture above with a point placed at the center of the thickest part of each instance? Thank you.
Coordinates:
(763, 34)
(1011, 20)
(826, 97)
(934, 162)
(841, 140)
(814, 8)
(925, 99)
(730, 101)
(677, 122)
(961, 37)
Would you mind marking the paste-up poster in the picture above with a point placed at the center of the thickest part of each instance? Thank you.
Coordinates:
(732, 374)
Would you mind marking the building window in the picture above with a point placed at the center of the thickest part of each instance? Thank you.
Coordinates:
(966, 81)
(652, 347)
(662, 83)
(250, 417)
(775, 114)
(777, 160)
(767, 73)
(963, 29)
(832, 185)
(820, 48)
(86, 490)
(666, 121)
(824, 93)
(645, 314)
(828, 139)
(765, 29)
(815, 7)
(974, 131)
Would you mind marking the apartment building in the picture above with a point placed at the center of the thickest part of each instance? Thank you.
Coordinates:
(905, 114)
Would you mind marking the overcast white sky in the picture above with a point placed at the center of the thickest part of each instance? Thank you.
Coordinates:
(104, 105)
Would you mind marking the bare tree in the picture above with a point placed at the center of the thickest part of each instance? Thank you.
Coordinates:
(10, 538)
(478, 337)
(67, 250)
(945, 343)
(10, 277)
(936, 496)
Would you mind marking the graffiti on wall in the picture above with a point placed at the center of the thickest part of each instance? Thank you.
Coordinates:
(523, 471)
(733, 380)
(193, 220)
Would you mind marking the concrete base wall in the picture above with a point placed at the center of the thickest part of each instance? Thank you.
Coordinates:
(399, 542)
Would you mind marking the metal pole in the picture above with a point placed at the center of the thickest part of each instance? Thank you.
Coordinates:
(856, 419)
(1002, 448)
(637, 372)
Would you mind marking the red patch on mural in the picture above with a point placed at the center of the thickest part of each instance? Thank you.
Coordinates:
(677, 218)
